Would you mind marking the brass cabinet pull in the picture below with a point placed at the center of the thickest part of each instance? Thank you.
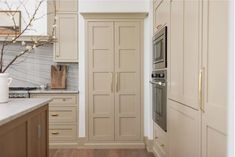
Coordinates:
(111, 84)
(39, 131)
(200, 94)
(117, 82)
(156, 137)
(162, 145)
(55, 133)
(55, 115)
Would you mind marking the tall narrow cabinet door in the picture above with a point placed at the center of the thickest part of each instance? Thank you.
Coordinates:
(128, 80)
(101, 79)
(185, 50)
(34, 136)
(216, 51)
(66, 47)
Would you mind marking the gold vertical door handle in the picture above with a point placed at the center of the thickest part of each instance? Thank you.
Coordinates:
(111, 84)
(202, 107)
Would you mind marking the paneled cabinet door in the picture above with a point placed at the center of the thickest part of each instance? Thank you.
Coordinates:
(216, 39)
(13, 140)
(185, 51)
(67, 5)
(101, 80)
(38, 135)
(66, 47)
(128, 80)
(183, 131)
(161, 14)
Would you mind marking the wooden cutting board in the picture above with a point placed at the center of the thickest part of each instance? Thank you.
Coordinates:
(59, 76)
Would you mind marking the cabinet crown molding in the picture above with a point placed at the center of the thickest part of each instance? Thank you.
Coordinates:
(117, 15)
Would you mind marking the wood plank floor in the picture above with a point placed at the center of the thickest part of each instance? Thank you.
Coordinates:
(100, 153)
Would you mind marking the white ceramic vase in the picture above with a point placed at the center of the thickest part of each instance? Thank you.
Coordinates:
(5, 82)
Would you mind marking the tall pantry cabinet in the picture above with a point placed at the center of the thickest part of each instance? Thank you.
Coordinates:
(198, 81)
(114, 77)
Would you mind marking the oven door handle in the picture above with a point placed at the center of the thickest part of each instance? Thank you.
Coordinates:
(158, 83)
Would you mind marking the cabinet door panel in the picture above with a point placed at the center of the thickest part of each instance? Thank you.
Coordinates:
(191, 52)
(66, 49)
(13, 143)
(38, 134)
(101, 79)
(183, 131)
(216, 52)
(185, 51)
(161, 14)
(34, 136)
(67, 5)
(176, 49)
(44, 140)
(127, 68)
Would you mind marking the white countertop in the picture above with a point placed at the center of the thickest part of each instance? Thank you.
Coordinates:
(16, 108)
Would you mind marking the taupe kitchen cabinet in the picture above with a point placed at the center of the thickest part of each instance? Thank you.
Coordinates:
(26, 136)
(67, 6)
(161, 14)
(215, 76)
(66, 46)
(197, 105)
(184, 67)
(62, 119)
(160, 141)
(185, 51)
(38, 134)
(114, 78)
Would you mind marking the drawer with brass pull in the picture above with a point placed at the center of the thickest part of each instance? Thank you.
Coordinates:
(62, 133)
(59, 99)
(62, 114)
(62, 118)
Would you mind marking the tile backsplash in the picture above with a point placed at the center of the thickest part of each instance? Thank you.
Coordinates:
(34, 69)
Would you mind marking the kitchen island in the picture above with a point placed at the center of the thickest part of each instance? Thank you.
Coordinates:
(24, 128)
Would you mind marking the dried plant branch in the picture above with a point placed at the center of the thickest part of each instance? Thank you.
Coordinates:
(29, 24)
(40, 41)
(27, 50)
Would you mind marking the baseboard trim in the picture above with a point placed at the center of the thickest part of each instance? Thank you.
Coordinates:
(99, 145)
(84, 143)
(63, 145)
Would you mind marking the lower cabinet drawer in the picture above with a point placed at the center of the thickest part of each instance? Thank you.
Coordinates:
(62, 114)
(62, 133)
(160, 141)
(59, 99)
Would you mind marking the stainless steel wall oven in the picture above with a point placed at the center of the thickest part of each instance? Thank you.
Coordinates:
(159, 97)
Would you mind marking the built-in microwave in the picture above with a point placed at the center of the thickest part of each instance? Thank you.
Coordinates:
(160, 49)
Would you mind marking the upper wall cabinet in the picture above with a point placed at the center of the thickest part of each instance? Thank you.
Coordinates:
(66, 47)
(161, 14)
(67, 5)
